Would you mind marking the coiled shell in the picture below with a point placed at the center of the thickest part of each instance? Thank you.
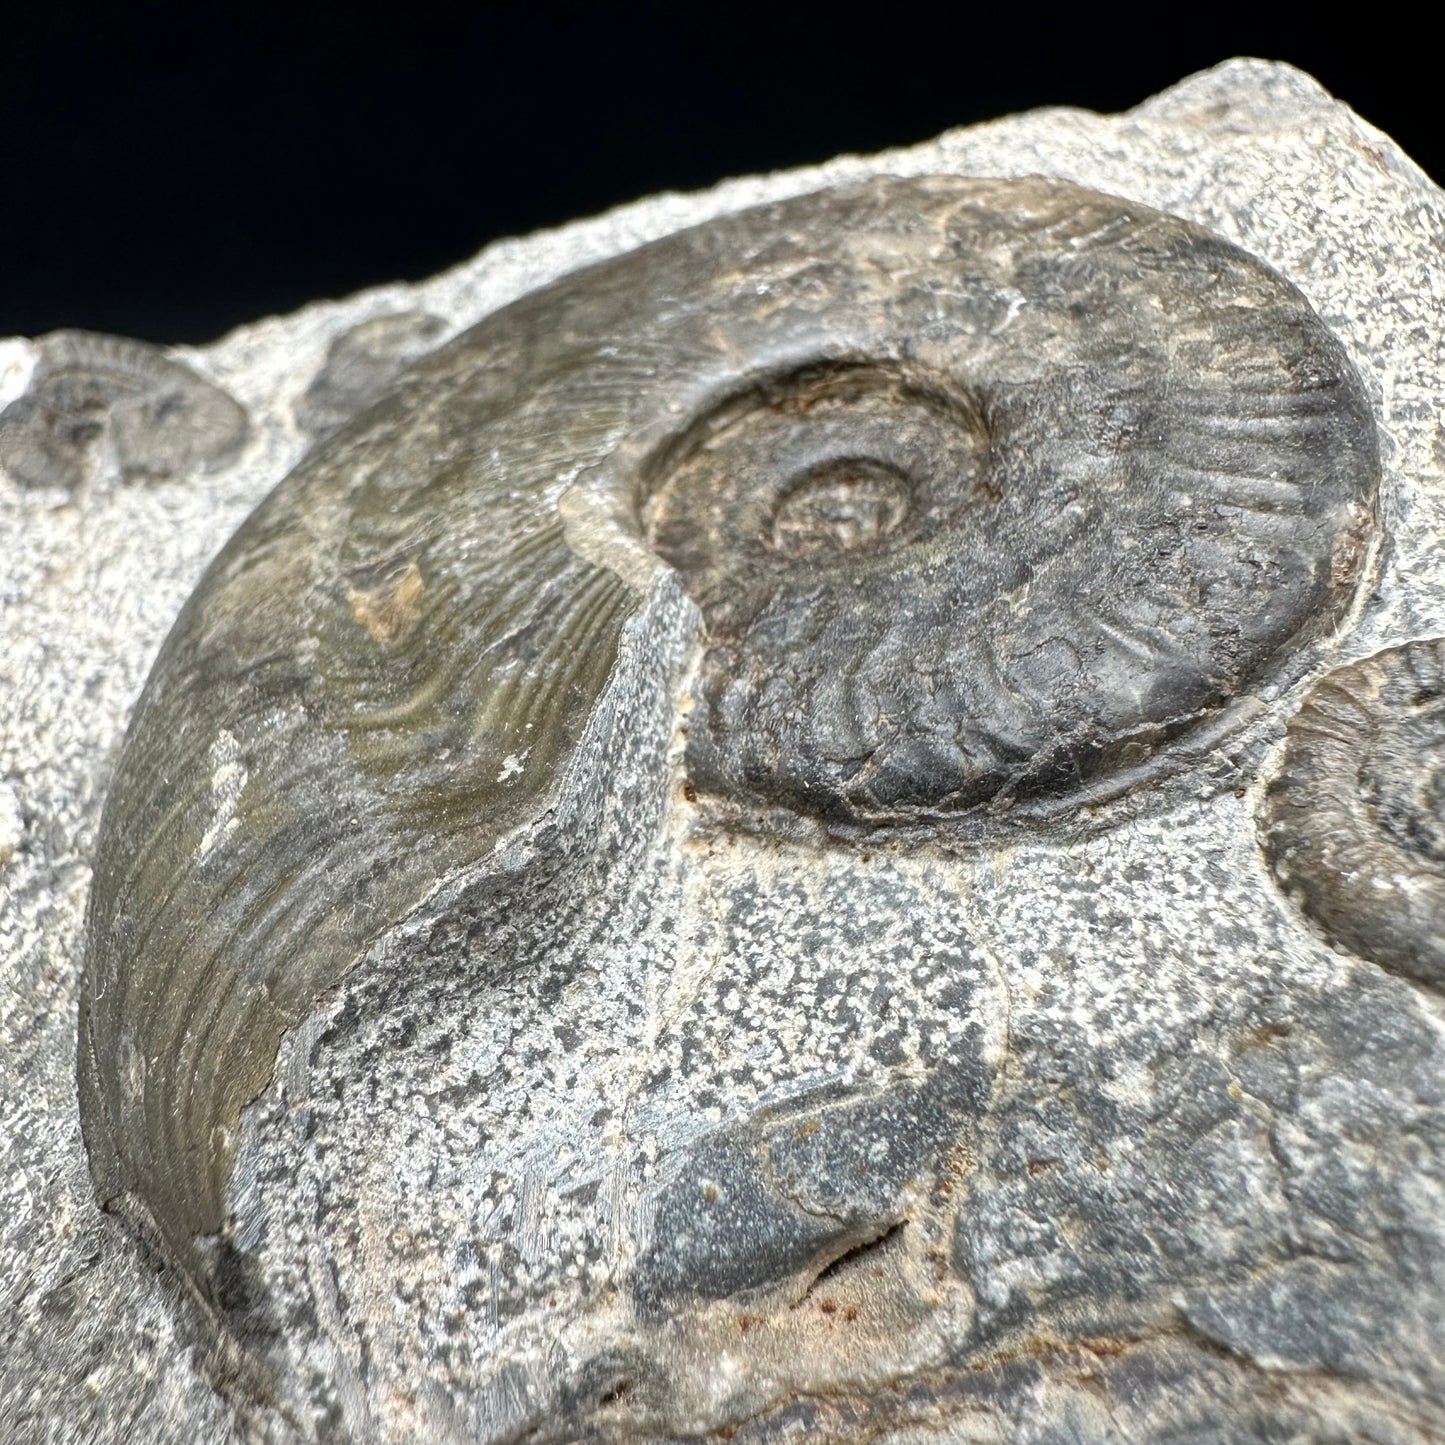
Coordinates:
(98, 400)
(985, 490)
(1355, 818)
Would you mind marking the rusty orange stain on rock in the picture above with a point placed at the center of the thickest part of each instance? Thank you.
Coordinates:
(388, 613)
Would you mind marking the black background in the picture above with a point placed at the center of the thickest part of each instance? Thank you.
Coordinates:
(168, 173)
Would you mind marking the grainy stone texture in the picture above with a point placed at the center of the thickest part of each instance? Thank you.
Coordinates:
(1084, 1141)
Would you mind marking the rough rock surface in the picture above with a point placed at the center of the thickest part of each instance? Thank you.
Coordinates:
(1084, 1141)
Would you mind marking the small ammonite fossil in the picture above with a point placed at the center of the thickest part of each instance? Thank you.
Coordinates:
(986, 492)
(361, 363)
(98, 400)
(1355, 818)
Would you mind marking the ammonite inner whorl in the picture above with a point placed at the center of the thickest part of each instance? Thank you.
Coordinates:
(1355, 819)
(1022, 482)
(984, 489)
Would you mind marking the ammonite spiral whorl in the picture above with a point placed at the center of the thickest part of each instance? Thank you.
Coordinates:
(1027, 491)
(986, 491)
(1355, 819)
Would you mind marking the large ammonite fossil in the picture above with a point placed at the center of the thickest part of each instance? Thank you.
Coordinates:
(1355, 818)
(986, 492)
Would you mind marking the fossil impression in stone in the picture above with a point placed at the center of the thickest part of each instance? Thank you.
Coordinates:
(989, 494)
(97, 401)
(361, 363)
(1355, 819)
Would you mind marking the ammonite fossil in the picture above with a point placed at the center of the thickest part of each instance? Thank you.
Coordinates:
(96, 400)
(361, 363)
(1355, 819)
(986, 492)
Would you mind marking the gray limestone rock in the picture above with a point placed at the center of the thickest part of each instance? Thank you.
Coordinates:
(675, 1121)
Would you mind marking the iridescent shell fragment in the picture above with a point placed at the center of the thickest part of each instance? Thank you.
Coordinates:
(1355, 819)
(986, 491)
(97, 401)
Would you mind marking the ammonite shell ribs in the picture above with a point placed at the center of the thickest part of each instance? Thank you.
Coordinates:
(96, 399)
(984, 489)
(1355, 818)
